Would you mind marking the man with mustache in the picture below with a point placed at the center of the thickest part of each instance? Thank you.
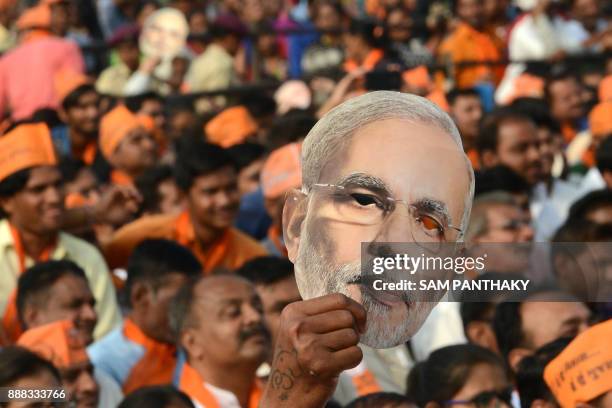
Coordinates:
(219, 323)
(382, 167)
(207, 178)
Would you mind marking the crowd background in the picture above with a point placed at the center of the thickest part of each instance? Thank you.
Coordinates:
(146, 148)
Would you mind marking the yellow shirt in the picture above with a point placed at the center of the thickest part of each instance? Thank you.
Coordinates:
(212, 70)
(71, 248)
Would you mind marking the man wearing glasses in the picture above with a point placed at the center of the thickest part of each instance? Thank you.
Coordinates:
(382, 167)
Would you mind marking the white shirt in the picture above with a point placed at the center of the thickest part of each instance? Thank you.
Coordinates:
(225, 399)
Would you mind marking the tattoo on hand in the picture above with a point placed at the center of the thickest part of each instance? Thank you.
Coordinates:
(287, 370)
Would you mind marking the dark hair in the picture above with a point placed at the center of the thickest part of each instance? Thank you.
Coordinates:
(590, 202)
(446, 371)
(579, 230)
(134, 103)
(530, 373)
(259, 105)
(153, 259)
(488, 137)
(14, 183)
(72, 99)
(244, 154)
(290, 127)
(35, 281)
(147, 184)
(366, 30)
(557, 73)
(17, 363)
(180, 313)
(508, 327)
(335, 4)
(499, 178)
(159, 396)
(197, 158)
(455, 93)
(70, 168)
(266, 270)
(603, 155)
(379, 399)
(538, 110)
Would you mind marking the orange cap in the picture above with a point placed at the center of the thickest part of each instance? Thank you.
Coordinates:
(417, 77)
(600, 119)
(605, 89)
(528, 86)
(282, 171)
(58, 342)
(67, 81)
(116, 125)
(230, 127)
(26, 146)
(35, 17)
(583, 371)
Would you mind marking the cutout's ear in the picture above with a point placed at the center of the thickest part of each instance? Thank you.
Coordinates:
(489, 159)
(294, 213)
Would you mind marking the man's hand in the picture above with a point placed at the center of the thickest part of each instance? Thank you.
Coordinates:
(317, 340)
(117, 205)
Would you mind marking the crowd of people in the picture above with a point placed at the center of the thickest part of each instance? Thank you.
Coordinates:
(157, 159)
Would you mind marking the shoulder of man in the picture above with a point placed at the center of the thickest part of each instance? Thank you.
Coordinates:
(247, 243)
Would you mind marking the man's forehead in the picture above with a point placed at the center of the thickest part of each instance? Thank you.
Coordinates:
(212, 290)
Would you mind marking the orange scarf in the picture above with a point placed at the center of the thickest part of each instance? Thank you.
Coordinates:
(192, 384)
(156, 365)
(369, 63)
(10, 320)
(274, 235)
(210, 257)
(365, 383)
(120, 178)
(89, 154)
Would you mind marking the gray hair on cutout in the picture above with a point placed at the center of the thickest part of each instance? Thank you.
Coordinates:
(334, 131)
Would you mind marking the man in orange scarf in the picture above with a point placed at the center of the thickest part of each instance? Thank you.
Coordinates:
(141, 352)
(31, 196)
(469, 42)
(219, 323)
(126, 141)
(205, 174)
(59, 343)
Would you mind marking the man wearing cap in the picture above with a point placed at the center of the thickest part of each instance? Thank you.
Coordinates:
(281, 173)
(80, 111)
(214, 68)
(59, 343)
(31, 198)
(206, 176)
(581, 376)
(27, 72)
(126, 142)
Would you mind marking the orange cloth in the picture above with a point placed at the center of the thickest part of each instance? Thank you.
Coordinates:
(89, 154)
(232, 249)
(76, 200)
(600, 119)
(439, 98)
(116, 125)
(282, 171)
(369, 63)
(583, 371)
(27, 145)
(121, 178)
(57, 342)
(527, 86)
(231, 127)
(417, 77)
(10, 320)
(474, 157)
(605, 89)
(35, 17)
(274, 235)
(468, 44)
(7, 4)
(192, 384)
(67, 82)
(156, 367)
(568, 132)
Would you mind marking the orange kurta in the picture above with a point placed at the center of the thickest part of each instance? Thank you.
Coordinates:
(230, 250)
(468, 44)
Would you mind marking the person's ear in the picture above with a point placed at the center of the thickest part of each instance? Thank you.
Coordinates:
(515, 356)
(7, 204)
(63, 115)
(30, 316)
(189, 340)
(607, 176)
(140, 295)
(294, 213)
(489, 158)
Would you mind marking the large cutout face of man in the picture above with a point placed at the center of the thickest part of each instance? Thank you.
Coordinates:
(382, 144)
